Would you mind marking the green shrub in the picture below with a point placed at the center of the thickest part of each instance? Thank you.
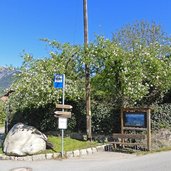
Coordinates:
(42, 118)
(161, 116)
(77, 122)
(2, 112)
(104, 118)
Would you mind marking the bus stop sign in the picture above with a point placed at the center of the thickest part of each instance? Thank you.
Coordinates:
(58, 81)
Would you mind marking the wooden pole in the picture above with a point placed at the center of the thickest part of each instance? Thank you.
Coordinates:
(87, 73)
(148, 130)
(85, 23)
(122, 125)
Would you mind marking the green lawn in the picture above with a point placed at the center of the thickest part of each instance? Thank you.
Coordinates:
(69, 144)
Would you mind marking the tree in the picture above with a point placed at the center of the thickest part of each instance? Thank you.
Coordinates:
(133, 37)
(118, 81)
(33, 87)
(135, 65)
(151, 46)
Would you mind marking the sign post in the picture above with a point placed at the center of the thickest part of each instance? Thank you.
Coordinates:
(62, 121)
(59, 82)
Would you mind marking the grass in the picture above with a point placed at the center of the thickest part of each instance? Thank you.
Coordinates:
(1, 152)
(69, 144)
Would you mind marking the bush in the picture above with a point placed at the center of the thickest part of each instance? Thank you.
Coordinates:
(42, 118)
(104, 118)
(2, 112)
(77, 123)
(161, 116)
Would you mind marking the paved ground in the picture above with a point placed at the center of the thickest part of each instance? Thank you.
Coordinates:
(85, 163)
(101, 161)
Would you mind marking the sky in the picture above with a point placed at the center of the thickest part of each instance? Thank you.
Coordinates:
(24, 22)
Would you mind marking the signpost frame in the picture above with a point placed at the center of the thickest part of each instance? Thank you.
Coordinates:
(59, 82)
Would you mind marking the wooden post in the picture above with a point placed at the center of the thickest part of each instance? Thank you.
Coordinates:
(122, 121)
(122, 125)
(148, 130)
(87, 73)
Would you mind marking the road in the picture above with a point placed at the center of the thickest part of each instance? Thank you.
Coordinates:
(101, 161)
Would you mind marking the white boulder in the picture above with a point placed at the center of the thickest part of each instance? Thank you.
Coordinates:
(24, 140)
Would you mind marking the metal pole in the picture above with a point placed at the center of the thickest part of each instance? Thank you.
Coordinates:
(87, 73)
(63, 91)
(63, 102)
(62, 143)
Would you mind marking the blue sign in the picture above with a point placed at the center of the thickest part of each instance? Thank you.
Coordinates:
(58, 81)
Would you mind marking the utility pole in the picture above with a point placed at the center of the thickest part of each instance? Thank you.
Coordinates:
(87, 73)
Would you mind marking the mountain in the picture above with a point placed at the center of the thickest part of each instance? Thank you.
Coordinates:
(6, 78)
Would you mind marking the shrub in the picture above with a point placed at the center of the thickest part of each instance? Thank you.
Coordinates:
(161, 116)
(42, 118)
(2, 112)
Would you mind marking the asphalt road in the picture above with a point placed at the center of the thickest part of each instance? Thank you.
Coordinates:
(101, 161)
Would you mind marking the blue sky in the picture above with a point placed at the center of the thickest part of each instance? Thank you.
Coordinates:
(24, 22)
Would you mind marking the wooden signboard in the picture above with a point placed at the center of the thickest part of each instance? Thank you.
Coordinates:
(61, 106)
(62, 114)
(135, 120)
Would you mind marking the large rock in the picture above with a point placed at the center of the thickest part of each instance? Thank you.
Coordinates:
(24, 140)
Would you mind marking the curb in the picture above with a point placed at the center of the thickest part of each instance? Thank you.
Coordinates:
(50, 156)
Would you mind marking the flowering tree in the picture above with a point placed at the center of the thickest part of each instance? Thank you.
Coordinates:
(34, 86)
(135, 65)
